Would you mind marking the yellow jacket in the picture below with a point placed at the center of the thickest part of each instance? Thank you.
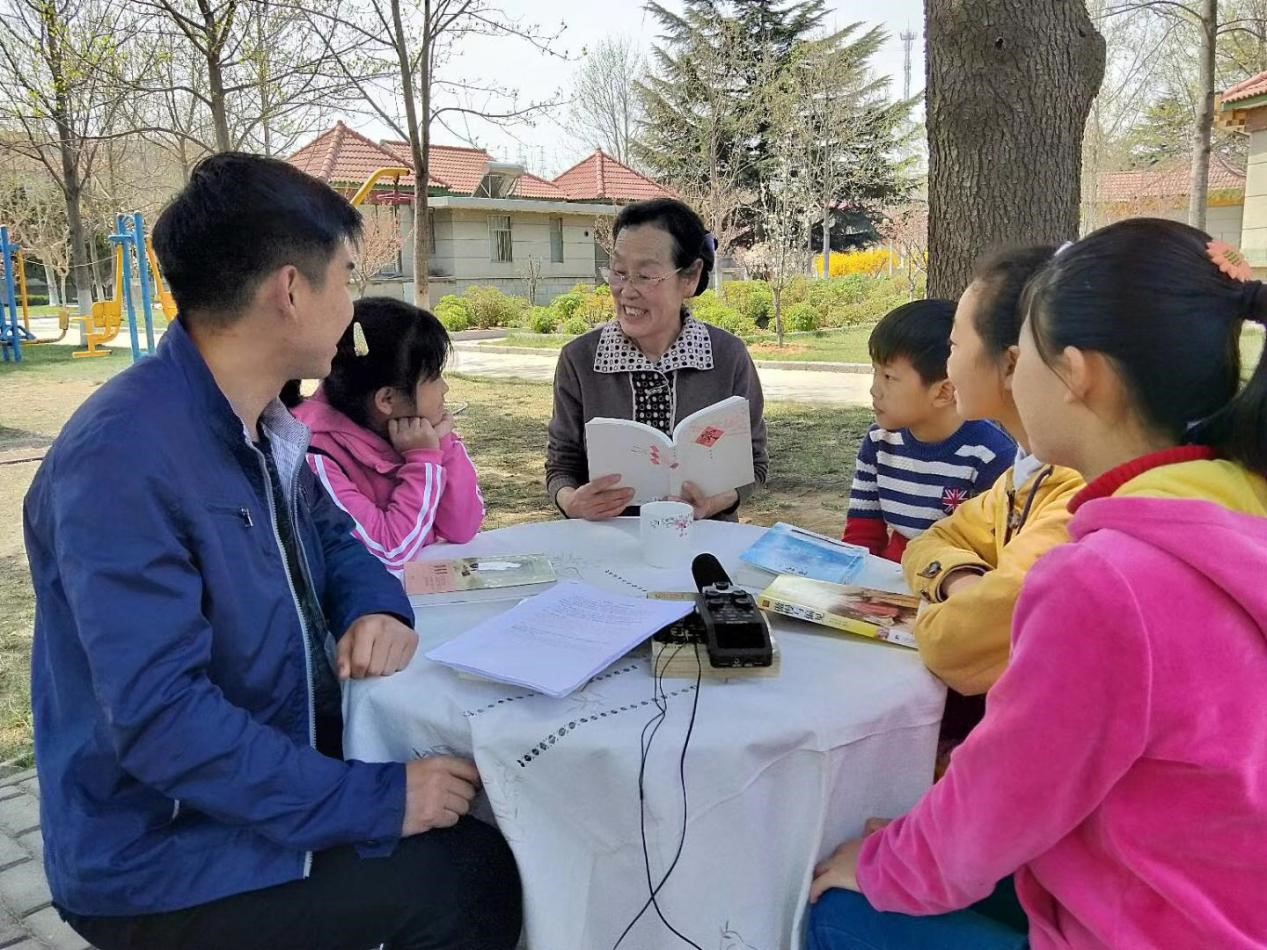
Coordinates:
(967, 639)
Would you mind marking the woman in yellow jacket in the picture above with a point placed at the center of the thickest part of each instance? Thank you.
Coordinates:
(969, 567)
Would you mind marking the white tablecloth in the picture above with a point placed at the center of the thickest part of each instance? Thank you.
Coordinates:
(778, 771)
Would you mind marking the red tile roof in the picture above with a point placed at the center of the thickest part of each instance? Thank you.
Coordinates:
(461, 169)
(1251, 88)
(530, 186)
(341, 156)
(344, 157)
(1172, 180)
(601, 177)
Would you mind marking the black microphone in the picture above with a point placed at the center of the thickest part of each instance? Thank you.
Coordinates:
(735, 631)
(707, 571)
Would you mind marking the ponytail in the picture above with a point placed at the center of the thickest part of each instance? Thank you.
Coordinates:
(290, 394)
(1239, 429)
(1167, 305)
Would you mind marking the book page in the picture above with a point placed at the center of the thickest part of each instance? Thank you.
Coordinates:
(714, 447)
(555, 642)
(642, 456)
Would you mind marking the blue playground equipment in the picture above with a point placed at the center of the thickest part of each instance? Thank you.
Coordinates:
(132, 255)
(129, 238)
(12, 332)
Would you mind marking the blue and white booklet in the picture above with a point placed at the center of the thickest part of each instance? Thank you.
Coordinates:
(787, 549)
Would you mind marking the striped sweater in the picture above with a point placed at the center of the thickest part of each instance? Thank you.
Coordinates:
(902, 487)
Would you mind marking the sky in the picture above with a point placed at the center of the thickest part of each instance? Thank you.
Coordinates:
(547, 147)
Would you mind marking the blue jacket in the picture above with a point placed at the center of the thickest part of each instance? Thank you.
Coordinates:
(170, 678)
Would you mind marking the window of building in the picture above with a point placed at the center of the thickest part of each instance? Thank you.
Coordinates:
(499, 235)
(556, 240)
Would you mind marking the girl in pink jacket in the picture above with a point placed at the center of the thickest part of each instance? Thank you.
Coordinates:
(1120, 774)
(383, 443)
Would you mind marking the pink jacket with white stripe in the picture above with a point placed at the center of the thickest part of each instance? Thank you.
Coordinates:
(399, 503)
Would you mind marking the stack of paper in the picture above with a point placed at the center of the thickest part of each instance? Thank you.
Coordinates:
(557, 641)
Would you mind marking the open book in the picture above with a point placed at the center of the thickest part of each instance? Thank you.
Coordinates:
(712, 448)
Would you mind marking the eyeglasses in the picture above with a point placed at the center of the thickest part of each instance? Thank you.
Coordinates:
(636, 281)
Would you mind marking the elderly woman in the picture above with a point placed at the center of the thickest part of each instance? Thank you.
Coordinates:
(654, 363)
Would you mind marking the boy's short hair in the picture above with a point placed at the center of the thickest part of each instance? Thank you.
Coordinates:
(919, 331)
(242, 217)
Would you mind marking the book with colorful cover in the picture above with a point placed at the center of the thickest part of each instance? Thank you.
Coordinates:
(488, 577)
(787, 549)
(878, 614)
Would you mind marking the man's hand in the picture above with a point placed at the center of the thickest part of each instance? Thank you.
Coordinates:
(707, 506)
(597, 500)
(376, 645)
(840, 870)
(438, 791)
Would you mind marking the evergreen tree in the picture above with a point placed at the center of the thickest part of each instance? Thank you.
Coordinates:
(732, 49)
(735, 81)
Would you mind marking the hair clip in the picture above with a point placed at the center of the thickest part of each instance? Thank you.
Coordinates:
(359, 345)
(1230, 261)
(1064, 247)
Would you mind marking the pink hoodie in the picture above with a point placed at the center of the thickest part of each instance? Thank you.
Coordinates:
(1121, 770)
(400, 504)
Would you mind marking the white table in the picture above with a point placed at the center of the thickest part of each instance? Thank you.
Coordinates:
(778, 771)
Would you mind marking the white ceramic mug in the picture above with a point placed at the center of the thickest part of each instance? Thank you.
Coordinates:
(666, 532)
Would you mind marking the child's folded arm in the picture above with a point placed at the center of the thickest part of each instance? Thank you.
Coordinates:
(965, 539)
(866, 531)
(864, 520)
(397, 532)
(966, 639)
(461, 511)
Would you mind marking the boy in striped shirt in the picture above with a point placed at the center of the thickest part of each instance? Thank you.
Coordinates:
(920, 461)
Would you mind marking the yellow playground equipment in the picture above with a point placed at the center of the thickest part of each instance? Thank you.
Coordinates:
(63, 313)
(107, 318)
(364, 191)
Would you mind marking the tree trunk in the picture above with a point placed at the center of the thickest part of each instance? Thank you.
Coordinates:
(419, 129)
(1199, 191)
(827, 243)
(778, 313)
(219, 110)
(103, 290)
(216, 34)
(55, 290)
(1009, 86)
(68, 152)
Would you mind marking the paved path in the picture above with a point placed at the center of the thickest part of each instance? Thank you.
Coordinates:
(27, 918)
(793, 385)
(789, 385)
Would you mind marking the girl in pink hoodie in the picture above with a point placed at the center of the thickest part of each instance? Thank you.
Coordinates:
(383, 443)
(1120, 774)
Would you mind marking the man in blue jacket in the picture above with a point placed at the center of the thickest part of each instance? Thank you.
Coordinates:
(198, 596)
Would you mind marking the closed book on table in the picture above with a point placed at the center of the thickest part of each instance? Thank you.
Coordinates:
(878, 614)
(472, 579)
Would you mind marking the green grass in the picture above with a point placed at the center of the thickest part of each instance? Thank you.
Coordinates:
(833, 346)
(813, 450)
(535, 341)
